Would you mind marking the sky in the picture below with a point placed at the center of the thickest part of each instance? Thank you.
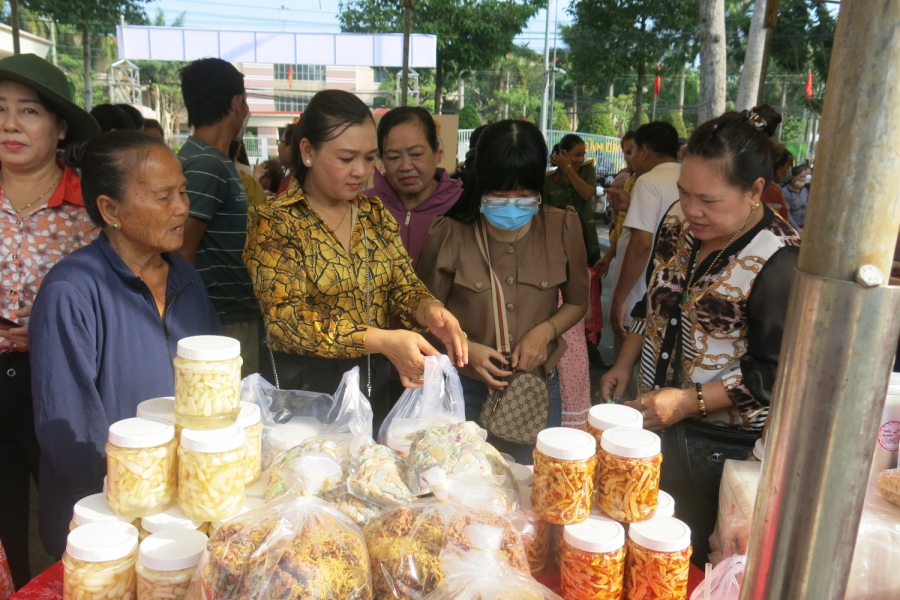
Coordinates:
(308, 16)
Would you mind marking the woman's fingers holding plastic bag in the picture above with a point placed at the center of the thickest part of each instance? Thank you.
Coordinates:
(445, 326)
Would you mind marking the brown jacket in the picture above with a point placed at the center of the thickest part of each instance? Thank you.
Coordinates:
(548, 259)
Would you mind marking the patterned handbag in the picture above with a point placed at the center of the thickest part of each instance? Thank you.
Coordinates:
(519, 411)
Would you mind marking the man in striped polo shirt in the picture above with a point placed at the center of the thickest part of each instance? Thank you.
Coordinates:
(216, 229)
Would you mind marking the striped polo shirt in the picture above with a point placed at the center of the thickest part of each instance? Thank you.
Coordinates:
(218, 197)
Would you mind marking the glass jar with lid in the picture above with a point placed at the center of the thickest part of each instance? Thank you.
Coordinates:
(207, 382)
(211, 473)
(158, 408)
(167, 521)
(609, 416)
(628, 466)
(166, 563)
(250, 420)
(564, 464)
(140, 467)
(665, 506)
(659, 559)
(592, 560)
(99, 562)
(95, 509)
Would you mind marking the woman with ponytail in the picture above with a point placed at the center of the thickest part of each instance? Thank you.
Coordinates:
(708, 331)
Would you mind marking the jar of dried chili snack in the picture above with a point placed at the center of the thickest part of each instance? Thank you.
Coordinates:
(628, 466)
(592, 560)
(659, 559)
(609, 416)
(564, 464)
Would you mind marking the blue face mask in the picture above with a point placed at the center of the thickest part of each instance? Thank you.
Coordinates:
(508, 217)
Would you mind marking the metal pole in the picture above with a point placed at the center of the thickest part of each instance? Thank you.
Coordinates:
(653, 117)
(404, 77)
(53, 41)
(545, 97)
(841, 336)
(14, 17)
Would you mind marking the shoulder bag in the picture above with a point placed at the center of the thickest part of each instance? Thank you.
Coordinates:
(519, 411)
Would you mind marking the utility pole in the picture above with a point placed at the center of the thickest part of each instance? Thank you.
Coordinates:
(545, 95)
(461, 91)
(53, 40)
(771, 23)
(552, 110)
(841, 332)
(14, 17)
(404, 77)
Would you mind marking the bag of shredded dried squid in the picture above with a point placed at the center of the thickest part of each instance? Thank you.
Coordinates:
(405, 543)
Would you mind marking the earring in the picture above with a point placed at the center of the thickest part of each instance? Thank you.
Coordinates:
(308, 162)
(114, 227)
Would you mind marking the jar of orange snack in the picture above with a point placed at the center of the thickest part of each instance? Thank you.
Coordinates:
(659, 559)
(535, 534)
(628, 465)
(592, 560)
(609, 416)
(564, 464)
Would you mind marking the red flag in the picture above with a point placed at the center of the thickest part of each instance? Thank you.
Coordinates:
(809, 86)
(656, 83)
(291, 76)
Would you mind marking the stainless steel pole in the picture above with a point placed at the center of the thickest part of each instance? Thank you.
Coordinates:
(842, 328)
(545, 93)
(404, 77)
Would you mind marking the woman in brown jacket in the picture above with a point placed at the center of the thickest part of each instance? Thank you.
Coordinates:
(536, 252)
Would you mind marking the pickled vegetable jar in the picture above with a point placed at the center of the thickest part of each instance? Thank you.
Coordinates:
(659, 559)
(166, 563)
(211, 473)
(564, 464)
(609, 416)
(95, 509)
(170, 520)
(250, 420)
(140, 467)
(628, 467)
(592, 560)
(99, 562)
(207, 382)
(158, 408)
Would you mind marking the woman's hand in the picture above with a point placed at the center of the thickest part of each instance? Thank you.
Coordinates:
(562, 160)
(665, 407)
(480, 358)
(18, 335)
(405, 349)
(444, 325)
(531, 351)
(614, 382)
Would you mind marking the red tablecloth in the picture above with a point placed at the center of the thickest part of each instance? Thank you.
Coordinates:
(48, 585)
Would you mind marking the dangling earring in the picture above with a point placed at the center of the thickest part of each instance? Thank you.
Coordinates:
(114, 227)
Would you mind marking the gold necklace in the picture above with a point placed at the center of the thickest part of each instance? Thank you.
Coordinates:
(690, 283)
(346, 212)
(41, 197)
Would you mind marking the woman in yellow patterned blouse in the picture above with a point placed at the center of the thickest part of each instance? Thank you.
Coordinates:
(330, 270)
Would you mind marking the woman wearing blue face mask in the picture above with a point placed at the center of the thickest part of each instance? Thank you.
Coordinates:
(534, 250)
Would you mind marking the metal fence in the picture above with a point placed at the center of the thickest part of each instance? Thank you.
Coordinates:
(256, 146)
(605, 150)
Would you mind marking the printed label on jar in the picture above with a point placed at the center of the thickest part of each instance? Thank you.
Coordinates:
(889, 436)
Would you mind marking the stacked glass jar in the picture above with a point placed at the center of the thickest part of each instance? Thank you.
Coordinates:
(659, 559)
(140, 467)
(628, 471)
(563, 486)
(99, 562)
(592, 560)
(207, 382)
(211, 473)
(166, 563)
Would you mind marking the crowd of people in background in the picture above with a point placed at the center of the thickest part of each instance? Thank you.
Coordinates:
(115, 253)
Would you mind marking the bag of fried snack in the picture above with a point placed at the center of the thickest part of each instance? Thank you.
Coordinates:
(438, 402)
(378, 475)
(294, 547)
(481, 572)
(405, 543)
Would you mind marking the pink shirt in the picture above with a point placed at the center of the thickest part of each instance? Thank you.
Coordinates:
(32, 244)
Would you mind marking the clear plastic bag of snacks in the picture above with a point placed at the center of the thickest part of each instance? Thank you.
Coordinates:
(378, 475)
(439, 402)
(659, 559)
(482, 573)
(405, 543)
(294, 547)
(288, 466)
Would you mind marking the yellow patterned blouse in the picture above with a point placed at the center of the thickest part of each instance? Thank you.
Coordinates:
(312, 293)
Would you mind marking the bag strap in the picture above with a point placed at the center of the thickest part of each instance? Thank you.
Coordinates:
(501, 327)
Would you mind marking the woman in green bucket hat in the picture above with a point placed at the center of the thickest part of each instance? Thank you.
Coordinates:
(42, 219)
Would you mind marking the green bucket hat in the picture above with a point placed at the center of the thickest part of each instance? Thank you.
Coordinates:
(52, 85)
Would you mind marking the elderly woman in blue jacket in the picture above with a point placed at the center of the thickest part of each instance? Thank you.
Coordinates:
(108, 317)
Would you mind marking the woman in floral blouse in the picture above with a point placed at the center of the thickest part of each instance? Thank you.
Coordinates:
(43, 219)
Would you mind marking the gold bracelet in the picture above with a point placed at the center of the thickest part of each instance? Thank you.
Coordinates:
(555, 330)
(700, 400)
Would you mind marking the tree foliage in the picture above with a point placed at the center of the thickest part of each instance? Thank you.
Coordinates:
(677, 121)
(468, 117)
(597, 120)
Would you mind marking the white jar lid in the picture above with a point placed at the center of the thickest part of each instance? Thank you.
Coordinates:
(662, 534)
(250, 415)
(209, 347)
(521, 474)
(102, 542)
(166, 521)
(666, 505)
(565, 443)
(141, 433)
(95, 509)
(629, 442)
(285, 436)
(213, 440)
(257, 490)
(157, 408)
(610, 416)
(507, 457)
(172, 550)
(249, 504)
(759, 450)
(596, 534)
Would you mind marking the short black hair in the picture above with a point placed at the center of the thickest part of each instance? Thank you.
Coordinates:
(110, 117)
(568, 141)
(106, 164)
(407, 114)
(800, 169)
(629, 135)
(660, 137)
(208, 86)
(511, 155)
(134, 113)
(275, 173)
(154, 124)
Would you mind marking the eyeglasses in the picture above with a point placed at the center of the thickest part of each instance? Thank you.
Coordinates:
(495, 202)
